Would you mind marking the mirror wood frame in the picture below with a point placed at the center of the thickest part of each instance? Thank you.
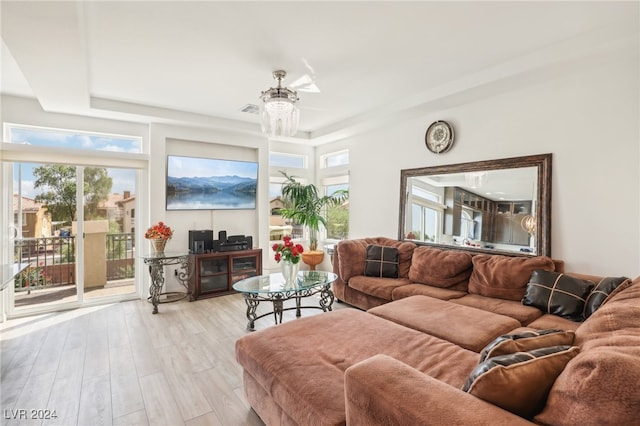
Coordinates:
(543, 205)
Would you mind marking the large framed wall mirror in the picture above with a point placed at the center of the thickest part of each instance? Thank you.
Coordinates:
(496, 206)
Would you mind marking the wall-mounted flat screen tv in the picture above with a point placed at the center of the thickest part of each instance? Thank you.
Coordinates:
(210, 184)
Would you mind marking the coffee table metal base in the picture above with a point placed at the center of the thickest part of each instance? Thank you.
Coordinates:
(278, 298)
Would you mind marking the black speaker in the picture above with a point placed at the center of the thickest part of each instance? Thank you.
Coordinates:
(222, 236)
(249, 242)
(198, 246)
(200, 241)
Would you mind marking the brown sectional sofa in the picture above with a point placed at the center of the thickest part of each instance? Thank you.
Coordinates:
(405, 360)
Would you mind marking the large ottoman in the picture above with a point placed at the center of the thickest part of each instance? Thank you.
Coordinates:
(294, 372)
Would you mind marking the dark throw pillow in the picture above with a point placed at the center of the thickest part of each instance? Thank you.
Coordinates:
(381, 262)
(526, 341)
(557, 294)
(520, 382)
(602, 291)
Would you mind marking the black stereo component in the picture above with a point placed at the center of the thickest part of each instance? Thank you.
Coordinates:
(233, 239)
(200, 241)
(231, 243)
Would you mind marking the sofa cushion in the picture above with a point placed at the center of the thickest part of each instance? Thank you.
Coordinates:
(598, 387)
(548, 321)
(520, 382)
(414, 289)
(441, 268)
(525, 341)
(616, 323)
(351, 255)
(603, 289)
(510, 308)
(377, 287)
(381, 262)
(557, 294)
(504, 277)
(467, 327)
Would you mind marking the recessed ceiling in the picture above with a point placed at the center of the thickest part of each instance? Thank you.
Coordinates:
(202, 62)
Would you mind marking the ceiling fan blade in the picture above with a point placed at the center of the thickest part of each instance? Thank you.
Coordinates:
(305, 84)
(309, 67)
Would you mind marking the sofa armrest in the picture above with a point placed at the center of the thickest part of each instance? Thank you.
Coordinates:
(384, 391)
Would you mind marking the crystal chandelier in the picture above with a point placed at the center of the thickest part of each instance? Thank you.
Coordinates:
(475, 179)
(279, 113)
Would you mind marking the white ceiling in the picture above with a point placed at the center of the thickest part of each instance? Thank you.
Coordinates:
(199, 63)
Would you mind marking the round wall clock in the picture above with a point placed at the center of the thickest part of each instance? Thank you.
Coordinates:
(439, 137)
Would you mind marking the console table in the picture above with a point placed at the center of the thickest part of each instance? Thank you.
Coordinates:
(157, 262)
(272, 288)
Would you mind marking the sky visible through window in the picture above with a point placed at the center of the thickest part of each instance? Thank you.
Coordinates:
(123, 179)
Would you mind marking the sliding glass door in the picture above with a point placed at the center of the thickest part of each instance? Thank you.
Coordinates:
(73, 222)
(42, 238)
(109, 231)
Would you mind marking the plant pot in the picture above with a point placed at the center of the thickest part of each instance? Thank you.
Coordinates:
(313, 258)
(158, 245)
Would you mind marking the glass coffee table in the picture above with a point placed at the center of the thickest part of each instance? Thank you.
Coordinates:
(272, 288)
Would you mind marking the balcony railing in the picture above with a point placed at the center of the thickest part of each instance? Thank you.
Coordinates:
(52, 260)
(120, 256)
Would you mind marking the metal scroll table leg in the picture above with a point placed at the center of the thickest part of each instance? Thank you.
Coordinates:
(157, 281)
(277, 309)
(326, 298)
(298, 314)
(252, 305)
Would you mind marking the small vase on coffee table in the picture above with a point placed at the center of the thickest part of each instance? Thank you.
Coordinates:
(289, 271)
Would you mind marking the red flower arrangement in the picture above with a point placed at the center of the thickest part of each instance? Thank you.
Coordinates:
(159, 231)
(287, 250)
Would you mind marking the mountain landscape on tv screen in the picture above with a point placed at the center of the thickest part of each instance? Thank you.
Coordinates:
(211, 184)
(212, 192)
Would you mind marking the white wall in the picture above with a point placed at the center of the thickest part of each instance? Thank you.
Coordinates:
(197, 142)
(589, 120)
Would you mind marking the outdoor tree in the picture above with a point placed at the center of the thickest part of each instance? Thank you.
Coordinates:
(338, 222)
(58, 183)
(97, 186)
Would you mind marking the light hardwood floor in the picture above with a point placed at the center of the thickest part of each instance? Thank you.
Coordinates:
(119, 364)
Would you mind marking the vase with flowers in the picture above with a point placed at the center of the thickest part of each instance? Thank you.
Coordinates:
(288, 254)
(159, 234)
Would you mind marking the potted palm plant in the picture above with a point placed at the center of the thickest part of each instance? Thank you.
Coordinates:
(304, 206)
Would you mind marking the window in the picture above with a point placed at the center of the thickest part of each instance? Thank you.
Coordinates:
(334, 175)
(297, 166)
(65, 139)
(425, 225)
(334, 159)
(278, 159)
(427, 212)
(337, 216)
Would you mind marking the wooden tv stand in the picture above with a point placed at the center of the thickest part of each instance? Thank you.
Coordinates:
(215, 273)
